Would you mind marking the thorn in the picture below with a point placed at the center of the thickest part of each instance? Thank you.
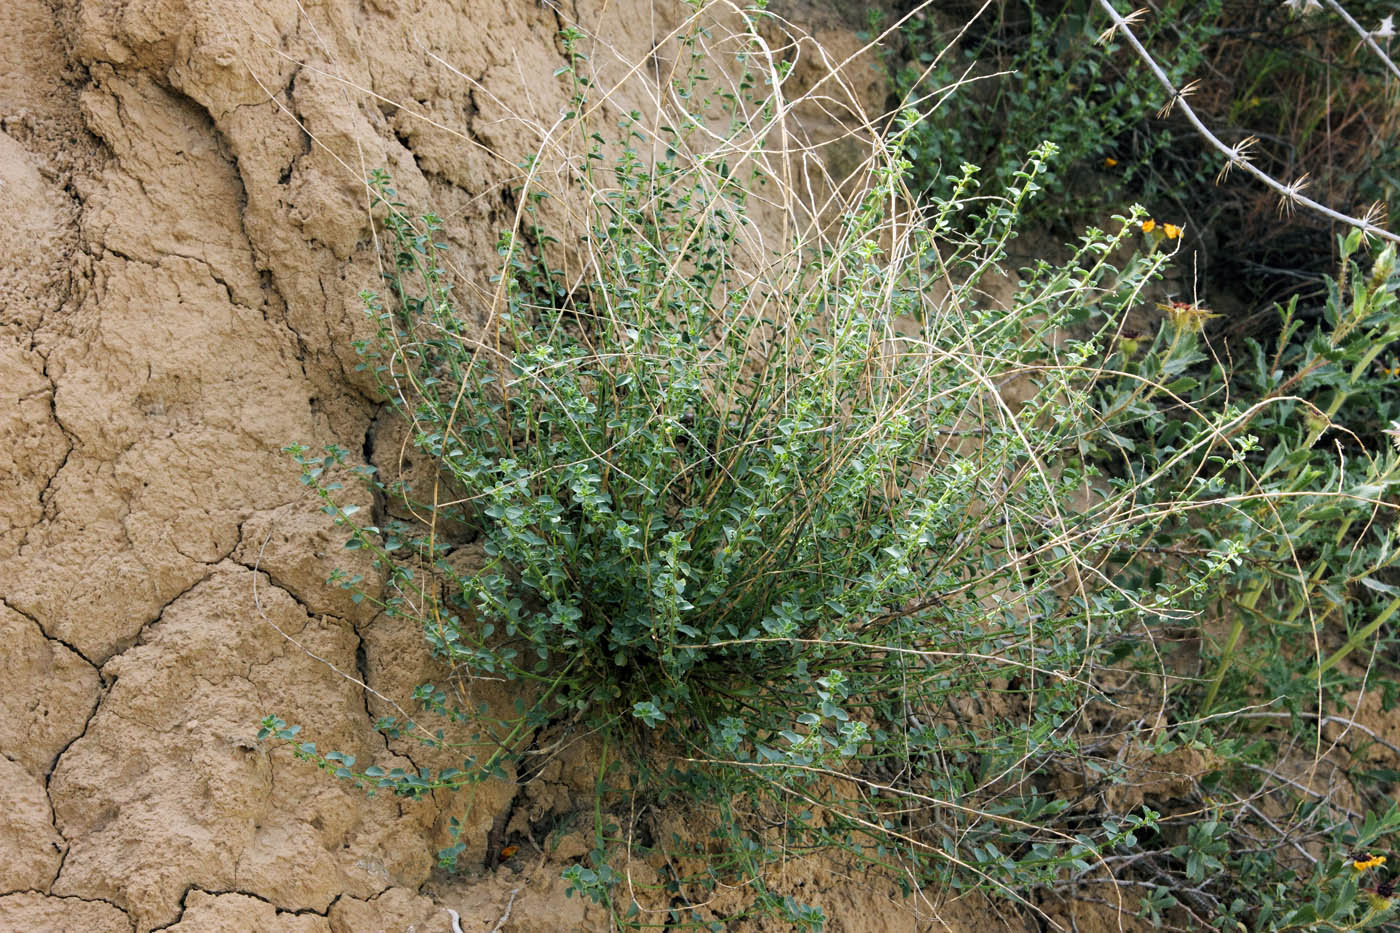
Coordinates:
(1238, 156)
(1128, 22)
(1393, 432)
(1289, 199)
(1375, 215)
(1182, 94)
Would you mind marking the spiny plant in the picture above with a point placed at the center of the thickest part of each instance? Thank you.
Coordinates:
(795, 527)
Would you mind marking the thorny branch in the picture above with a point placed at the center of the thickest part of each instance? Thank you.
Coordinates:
(1236, 155)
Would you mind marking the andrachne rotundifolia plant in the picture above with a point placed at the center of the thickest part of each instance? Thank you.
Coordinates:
(770, 495)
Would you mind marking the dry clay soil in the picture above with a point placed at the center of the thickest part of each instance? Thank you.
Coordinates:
(186, 238)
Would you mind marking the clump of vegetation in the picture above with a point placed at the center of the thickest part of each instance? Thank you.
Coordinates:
(1305, 504)
(821, 541)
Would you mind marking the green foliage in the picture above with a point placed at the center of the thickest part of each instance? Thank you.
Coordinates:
(1299, 486)
(1034, 70)
(1298, 425)
(826, 546)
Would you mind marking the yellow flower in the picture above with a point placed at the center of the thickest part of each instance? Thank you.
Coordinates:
(1172, 231)
(1149, 225)
(1369, 861)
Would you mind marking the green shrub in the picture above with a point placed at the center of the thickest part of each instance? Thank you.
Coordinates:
(758, 529)
(1317, 472)
(1298, 481)
(798, 529)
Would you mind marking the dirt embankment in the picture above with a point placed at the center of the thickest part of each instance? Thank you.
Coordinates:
(178, 296)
